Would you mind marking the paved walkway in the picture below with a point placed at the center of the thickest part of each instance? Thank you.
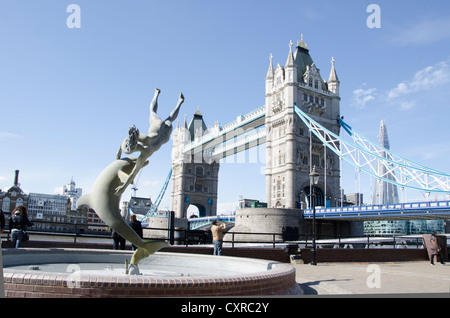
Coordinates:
(374, 278)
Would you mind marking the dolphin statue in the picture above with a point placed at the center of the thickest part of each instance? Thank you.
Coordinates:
(105, 203)
(114, 179)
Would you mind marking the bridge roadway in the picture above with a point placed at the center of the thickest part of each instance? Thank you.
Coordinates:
(233, 137)
(432, 210)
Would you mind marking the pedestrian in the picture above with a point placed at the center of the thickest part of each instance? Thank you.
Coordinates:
(118, 241)
(18, 225)
(137, 227)
(2, 221)
(217, 236)
(435, 249)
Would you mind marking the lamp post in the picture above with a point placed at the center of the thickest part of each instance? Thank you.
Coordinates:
(313, 179)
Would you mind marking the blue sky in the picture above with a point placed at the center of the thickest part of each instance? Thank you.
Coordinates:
(68, 96)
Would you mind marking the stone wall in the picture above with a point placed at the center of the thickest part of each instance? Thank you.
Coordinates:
(284, 222)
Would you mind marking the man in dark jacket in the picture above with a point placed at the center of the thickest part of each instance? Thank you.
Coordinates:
(137, 227)
(118, 241)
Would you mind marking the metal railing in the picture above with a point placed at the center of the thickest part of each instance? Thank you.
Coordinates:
(189, 237)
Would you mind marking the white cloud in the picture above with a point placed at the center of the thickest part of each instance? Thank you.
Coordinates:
(424, 32)
(226, 207)
(406, 105)
(362, 96)
(3, 179)
(7, 135)
(427, 78)
(430, 151)
(58, 190)
(150, 183)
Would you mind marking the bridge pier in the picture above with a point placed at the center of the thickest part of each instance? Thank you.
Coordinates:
(262, 222)
(288, 223)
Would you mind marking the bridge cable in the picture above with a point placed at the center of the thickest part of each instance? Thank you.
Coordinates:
(365, 155)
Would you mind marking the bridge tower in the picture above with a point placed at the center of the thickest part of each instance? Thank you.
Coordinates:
(290, 150)
(194, 180)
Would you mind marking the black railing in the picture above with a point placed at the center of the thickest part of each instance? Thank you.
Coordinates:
(199, 237)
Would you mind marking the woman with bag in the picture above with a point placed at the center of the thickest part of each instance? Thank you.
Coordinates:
(18, 225)
(435, 249)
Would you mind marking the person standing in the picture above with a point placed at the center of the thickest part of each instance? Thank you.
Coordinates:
(137, 227)
(435, 249)
(2, 221)
(217, 236)
(18, 225)
(118, 241)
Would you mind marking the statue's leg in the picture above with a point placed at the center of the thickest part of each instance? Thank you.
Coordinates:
(173, 115)
(154, 102)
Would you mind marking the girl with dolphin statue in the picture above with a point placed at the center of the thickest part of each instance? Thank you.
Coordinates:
(109, 186)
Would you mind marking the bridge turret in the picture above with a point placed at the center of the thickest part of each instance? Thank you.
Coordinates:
(333, 80)
(270, 76)
(194, 177)
(290, 67)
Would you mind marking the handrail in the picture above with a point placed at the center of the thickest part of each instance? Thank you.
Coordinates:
(303, 240)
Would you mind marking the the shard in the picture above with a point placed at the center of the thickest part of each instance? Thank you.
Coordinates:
(384, 192)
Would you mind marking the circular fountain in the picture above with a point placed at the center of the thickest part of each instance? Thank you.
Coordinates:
(102, 273)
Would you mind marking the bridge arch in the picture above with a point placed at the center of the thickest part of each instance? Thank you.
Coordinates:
(320, 197)
(196, 207)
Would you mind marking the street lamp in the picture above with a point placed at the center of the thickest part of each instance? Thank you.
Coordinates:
(313, 180)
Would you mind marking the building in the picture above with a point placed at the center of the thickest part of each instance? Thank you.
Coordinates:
(48, 212)
(94, 223)
(70, 190)
(354, 199)
(291, 151)
(138, 206)
(246, 203)
(14, 197)
(384, 192)
(194, 180)
(58, 213)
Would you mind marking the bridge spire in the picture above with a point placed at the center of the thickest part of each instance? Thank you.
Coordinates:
(301, 43)
(333, 80)
(384, 192)
(290, 59)
(270, 71)
(185, 122)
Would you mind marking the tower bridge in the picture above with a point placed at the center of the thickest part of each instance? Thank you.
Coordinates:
(300, 125)
(290, 149)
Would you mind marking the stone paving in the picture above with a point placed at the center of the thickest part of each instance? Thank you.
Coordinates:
(374, 278)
